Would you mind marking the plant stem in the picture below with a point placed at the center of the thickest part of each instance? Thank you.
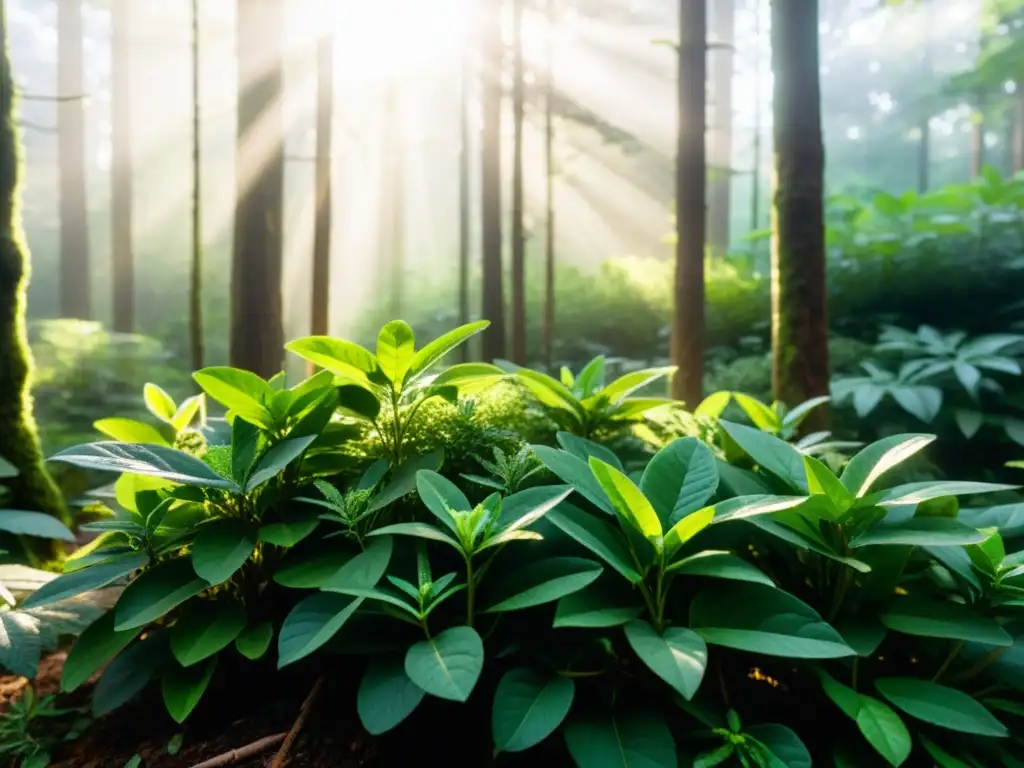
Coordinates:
(470, 590)
(651, 609)
(949, 660)
(660, 598)
(981, 665)
(840, 595)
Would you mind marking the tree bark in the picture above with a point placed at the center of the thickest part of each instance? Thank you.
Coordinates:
(549, 193)
(800, 367)
(518, 345)
(722, 57)
(755, 179)
(75, 272)
(493, 298)
(687, 341)
(195, 290)
(121, 168)
(1018, 128)
(32, 488)
(257, 335)
(320, 321)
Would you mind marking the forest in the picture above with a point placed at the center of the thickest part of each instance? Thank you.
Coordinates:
(604, 383)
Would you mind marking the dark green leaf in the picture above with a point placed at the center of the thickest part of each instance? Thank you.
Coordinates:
(878, 458)
(576, 472)
(276, 459)
(253, 641)
(542, 581)
(85, 580)
(584, 449)
(783, 744)
(364, 570)
(528, 707)
(940, 705)
(943, 618)
(156, 592)
(221, 548)
(720, 565)
(921, 532)
(312, 623)
(631, 739)
(440, 495)
(204, 628)
(915, 493)
(680, 479)
(769, 452)
(98, 644)
(386, 695)
(182, 688)
(149, 460)
(677, 655)
(34, 524)
(128, 674)
(597, 535)
(447, 665)
(358, 401)
(594, 607)
(20, 643)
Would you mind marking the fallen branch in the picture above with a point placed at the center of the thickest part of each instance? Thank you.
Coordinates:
(265, 744)
(281, 758)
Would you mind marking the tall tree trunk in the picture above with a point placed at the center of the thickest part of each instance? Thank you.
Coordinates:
(493, 303)
(322, 232)
(799, 308)
(722, 57)
(392, 208)
(75, 272)
(31, 488)
(121, 167)
(466, 129)
(1018, 128)
(518, 346)
(755, 180)
(549, 191)
(691, 172)
(257, 335)
(195, 288)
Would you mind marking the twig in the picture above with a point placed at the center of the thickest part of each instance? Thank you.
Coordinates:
(258, 747)
(281, 758)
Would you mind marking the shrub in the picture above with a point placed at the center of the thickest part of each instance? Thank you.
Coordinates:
(741, 600)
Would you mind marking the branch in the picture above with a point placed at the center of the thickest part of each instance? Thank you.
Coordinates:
(265, 744)
(281, 758)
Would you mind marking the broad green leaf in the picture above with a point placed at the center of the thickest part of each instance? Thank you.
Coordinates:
(403, 479)
(629, 501)
(677, 655)
(621, 739)
(782, 744)
(20, 643)
(150, 460)
(155, 592)
(797, 539)
(820, 480)
(246, 440)
(386, 695)
(941, 757)
(591, 378)
(364, 570)
(130, 431)
(221, 548)
(760, 619)
(593, 607)
(419, 530)
(720, 565)
(943, 618)
(312, 623)
(847, 699)
(395, 345)
(302, 570)
(597, 535)
(358, 401)
(128, 674)
(764, 418)
(348, 360)
(253, 641)
(183, 688)
(711, 407)
(204, 628)
(439, 347)
(921, 532)
(686, 529)
(583, 449)
(85, 580)
(288, 533)
(523, 509)
(447, 665)
(440, 495)
(745, 507)
(940, 705)
(878, 458)
(770, 453)
(159, 403)
(551, 392)
(576, 472)
(34, 524)
(276, 459)
(466, 378)
(863, 633)
(187, 411)
(915, 493)
(542, 581)
(239, 391)
(528, 707)
(626, 385)
(884, 730)
(680, 479)
(97, 645)
(793, 418)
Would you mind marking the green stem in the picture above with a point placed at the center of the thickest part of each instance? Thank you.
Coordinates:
(840, 594)
(571, 674)
(649, 602)
(949, 660)
(660, 598)
(470, 590)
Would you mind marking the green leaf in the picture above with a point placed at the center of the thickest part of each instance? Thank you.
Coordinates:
(551, 393)
(921, 532)
(348, 360)
(591, 607)
(712, 406)
(878, 458)
(97, 645)
(629, 501)
(847, 699)
(626, 385)
(528, 707)
(576, 472)
(311, 570)
(187, 411)
(542, 581)
(467, 378)
(159, 403)
(150, 460)
(253, 641)
(204, 628)
(128, 674)
(680, 479)
(797, 539)
(591, 378)
(760, 619)
(85, 580)
(419, 530)
(386, 695)
(440, 494)
(156, 592)
(358, 401)
(288, 533)
(34, 524)
(745, 507)
(395, 345)
(677, 655)
(770, 453)
(584, 449)
(20, 643)
(783, 744)
(915, 493)
(130, 431)
(764, 418)
(276, 459)
(183, 688)
(820, 480)
(403, 479)
(447, 665)
(245, 444)
(942, 618)
(884, 730)
(364, 570)
(597, 535)
(221, 548)
(686, 529)
(941, 757)
(523, 509)
(720, 565)
(240, 391)
(631, 739)
(940, 705)
(312, 623)
(863, 633)
(439, 347)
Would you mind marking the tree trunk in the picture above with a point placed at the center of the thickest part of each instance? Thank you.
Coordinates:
(392, 207)
(518, 346)
(978, 137)
(1018, 128)
(549, 194)
(466, 128)
(691, 171)
(121, 168)
(32, 488)
(322, 232)
(493, 304)
(722, 19)
(75, 273)
(195, 291)
(799, 313)
(755, 180)
(257, 335)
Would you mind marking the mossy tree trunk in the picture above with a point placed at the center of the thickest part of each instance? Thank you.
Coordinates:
(799, 312)
(32, 489)
(493, 297)
(687, 345)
